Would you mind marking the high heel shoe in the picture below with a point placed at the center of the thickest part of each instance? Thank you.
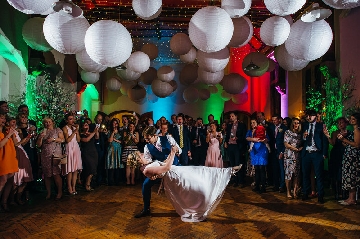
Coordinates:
(88, 188)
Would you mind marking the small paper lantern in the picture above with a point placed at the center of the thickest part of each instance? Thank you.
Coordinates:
(191, 94)
(204, 94)
(243, 32)
(240, 99)
(161, 88)
(316, 13)
(126, 85)
(188, 74)
(65, 33)
(165, 73)
(210, 78)
(147, 9)
(309, 41)
(173, 83)
(342, 4)
(255, 64)
(190, 56)
(148, 76)
(236, 8)
(210, 29)
(284, 7)
(138, 62)
(113, 84)
(137, 93)
(213, 61)
(234, 83)
(33, 34)
(127, 74)
(32, 6)
(225, 96)
(180, 44)
(151, 50)
(87, 64)
(90, 77)
(213, 89)
(108, 43)
(288, 62)
(274, 31)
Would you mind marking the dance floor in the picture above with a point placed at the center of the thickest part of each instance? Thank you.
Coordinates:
(108, 212)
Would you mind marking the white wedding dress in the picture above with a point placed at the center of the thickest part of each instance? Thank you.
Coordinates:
(194, 191)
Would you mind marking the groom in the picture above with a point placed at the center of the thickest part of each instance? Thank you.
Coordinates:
(157, 148)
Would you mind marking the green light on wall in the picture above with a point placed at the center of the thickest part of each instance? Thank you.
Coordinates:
(87, 98)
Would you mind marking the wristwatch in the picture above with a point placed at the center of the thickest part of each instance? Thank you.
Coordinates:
(53, 139)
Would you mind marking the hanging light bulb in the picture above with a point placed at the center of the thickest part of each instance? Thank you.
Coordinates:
(67, 7)
(251, 66)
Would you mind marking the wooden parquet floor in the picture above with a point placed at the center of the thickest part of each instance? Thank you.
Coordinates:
(108, 212)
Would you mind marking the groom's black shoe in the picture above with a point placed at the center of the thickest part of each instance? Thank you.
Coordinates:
(143, 213)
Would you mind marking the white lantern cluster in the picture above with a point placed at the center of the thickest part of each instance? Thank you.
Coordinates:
(210, 78)
(188, 74)
(210, 29)
(180, 44)
(274, 31)
(236, 8)
(166, 73)
(147, 9)
(161, 88)
(33, 34)
(213, 61)
(32, 6)
(288, 62)
(190, 56)
(113, 84)
(191, 94)
(342, 4)
(284, 7)
(234, 83)
(127, 74)
(90, 77)
(138, 62)
(87, 64)
(151, 50)
(243, 32)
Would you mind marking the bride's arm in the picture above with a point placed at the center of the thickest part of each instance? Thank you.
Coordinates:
(150, 172)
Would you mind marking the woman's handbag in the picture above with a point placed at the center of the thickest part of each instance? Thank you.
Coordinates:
(59, 159)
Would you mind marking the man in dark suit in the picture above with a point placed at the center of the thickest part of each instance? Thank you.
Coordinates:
(199, 145)
(235, 144)
(278, 146)
(314, 152)
(181, 135)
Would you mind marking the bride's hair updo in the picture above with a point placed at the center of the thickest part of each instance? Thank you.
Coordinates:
(149, 130)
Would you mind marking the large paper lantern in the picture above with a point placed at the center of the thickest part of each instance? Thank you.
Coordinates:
(65, 33)
(151, 50)
(288, 62)
(225, 96)
(236, 8)
(90, 77)
(126, 86)
(210, 78)
(113, 84)
(166, 73)
(234, 83)
(148, 76)
(137, 93)
(274, 31)
(147, 9)
(342, 4)
(240, 99)
(33, 34)
(180, 44)
(161, 88)
(138, 62)
(213, 89)
(108, 43)
(255, 64)
(243, 32)
(210, 29)
(204, 94)
(309, 40)
(191, 94)
(188, 74)
(32, 6)
(87, 64)
(284, 7)
(127, 74)
(213, 61)
(190, 56)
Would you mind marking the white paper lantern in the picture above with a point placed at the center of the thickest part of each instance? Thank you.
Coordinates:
(188, 74)
(33, 34)
(147, 9)
(243, 32)
(128, 74)
(137, 93)
(174, 85)
(284, 7)
(234, 83)
(190, 56)
(210, 29)
(32, 6)
(138, 62)
(213, 61)
(204, 94)
(309, 41)
(288, 62)
(126, 85)
(342, 4)
(165, 73)
(87, 64)
(191, 94)
(90, 77)
(213, 89)
(161, 88)
(108, 43)
(210, 78)
(113, 84)
(225, 96)
(240, 99)
(274, 31)
(148, 76)
(180, 43)
(151, 50)
(65, 33)
(289, 19)
(236, 8)
(256, 59)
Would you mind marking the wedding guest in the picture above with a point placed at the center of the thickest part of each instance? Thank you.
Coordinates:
(199, 144)
(113, 158)
(223, 151)
(213, 154)
(131, 138)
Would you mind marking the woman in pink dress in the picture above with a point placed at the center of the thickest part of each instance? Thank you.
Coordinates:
(74, 163)
(213, 155)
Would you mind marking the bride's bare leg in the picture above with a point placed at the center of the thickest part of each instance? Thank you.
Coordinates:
(152, 171)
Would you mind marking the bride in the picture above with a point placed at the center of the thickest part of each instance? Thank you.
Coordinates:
(194, 191)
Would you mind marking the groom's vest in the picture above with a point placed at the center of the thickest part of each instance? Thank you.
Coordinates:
(165, 150)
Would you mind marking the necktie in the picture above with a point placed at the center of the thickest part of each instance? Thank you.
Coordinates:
(276, 130)
(310, 136)
(181, 137)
